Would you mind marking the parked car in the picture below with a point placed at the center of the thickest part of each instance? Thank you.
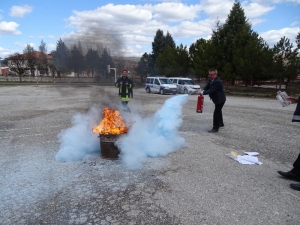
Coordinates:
(12, 73)
(162, 85)
(185, 85)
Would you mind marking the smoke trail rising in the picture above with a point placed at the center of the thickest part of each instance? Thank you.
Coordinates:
(153, 136)
(78, 142)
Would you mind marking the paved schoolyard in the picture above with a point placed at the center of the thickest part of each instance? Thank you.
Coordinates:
(197, 184)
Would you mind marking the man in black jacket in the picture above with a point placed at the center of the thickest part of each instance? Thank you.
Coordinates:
(125, 85)
(215, 90)
(294, 174)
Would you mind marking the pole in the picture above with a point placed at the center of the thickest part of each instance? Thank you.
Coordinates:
(115, 69)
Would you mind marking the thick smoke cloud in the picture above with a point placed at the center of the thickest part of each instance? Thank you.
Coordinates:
(153, 136)
(96, 38)
(78, 142)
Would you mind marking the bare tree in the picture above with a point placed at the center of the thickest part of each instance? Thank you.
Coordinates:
(18, 63)
(32, 60)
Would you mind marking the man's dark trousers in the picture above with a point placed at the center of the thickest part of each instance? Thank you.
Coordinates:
(296, 165)
(218, 117)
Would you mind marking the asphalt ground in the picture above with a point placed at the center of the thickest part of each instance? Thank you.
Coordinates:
(198, 184)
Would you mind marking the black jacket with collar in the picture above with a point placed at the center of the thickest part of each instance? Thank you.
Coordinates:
(215, 91)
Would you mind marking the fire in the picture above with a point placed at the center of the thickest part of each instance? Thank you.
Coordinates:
(112, 123)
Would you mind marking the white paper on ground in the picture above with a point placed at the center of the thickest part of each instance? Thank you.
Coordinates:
(252, 153)
(248, 159)
(245, 159)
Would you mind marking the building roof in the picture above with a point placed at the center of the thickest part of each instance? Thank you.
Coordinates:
(36, 54)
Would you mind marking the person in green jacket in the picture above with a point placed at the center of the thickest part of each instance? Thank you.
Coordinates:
(125, 86)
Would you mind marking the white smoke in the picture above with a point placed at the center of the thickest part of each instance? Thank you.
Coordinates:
(78, 142)
(153, 136)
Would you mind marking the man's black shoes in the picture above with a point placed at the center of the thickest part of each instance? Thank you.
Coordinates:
(213, 131)
(295, 186)
(289, 175)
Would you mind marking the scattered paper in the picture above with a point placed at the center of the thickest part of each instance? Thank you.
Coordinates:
(249, 159)
(252, 153)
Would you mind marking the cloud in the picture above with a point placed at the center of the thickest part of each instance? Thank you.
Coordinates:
(184, 22)
(274, 36)
(20, 11)
(106, 25)
(51, 47)
(284, 1)
(4, 52)
(216, 10)
(254, 10)
(9, 28)
(1, 11)
(257, 21)
(123, 27)
(174, 12)
(22, 45)
(295, 23)
(51, 36)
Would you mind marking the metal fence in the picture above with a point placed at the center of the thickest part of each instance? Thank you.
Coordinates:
(42, 79)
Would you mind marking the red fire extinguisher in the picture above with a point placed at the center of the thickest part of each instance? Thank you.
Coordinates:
(200, 101)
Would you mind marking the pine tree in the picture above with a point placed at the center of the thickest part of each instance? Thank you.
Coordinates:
(61, 57)
(174, 62)
(159, 44)
(224, 40)
(104, 60)
(202, 57)
(43, 60)
(76, 60)
(92, 60)
(169, 40)
(285, 60)
(251, 58)
(298, 40)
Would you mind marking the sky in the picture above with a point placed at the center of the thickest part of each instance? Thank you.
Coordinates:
(127, 28)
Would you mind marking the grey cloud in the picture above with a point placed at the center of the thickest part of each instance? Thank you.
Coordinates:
(96, 37)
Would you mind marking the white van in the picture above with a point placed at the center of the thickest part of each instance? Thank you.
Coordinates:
(162, 85)
(185, 85)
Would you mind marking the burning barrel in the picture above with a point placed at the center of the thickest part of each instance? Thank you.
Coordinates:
(108, 148)
(110, 130)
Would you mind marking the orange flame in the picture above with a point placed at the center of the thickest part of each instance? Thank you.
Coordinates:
(112, 123)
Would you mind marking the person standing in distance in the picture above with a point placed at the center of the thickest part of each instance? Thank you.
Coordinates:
(124, 84)
(215, 90)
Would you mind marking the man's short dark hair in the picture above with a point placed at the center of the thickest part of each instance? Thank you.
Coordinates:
(124, 70)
